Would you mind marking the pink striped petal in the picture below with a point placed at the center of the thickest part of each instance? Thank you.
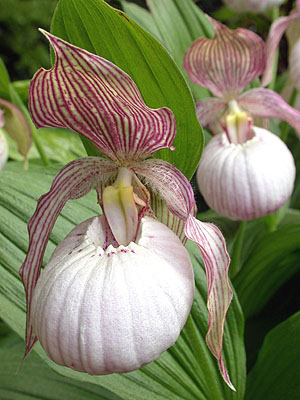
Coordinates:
(265, 103)
(277, 30)
(96, 99)
(75, 180)
(226, 63)
(16, 125)
(209, 110)
(216, 260)
(294, 64)
(173, 187)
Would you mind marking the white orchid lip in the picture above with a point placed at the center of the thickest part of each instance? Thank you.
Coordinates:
(249, 180)
(111, 310)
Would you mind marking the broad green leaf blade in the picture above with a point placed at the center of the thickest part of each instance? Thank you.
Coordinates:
(4, 81)
(186, 371)
(180, 23)
(142, 17)
(271, 262)
(276, 373)
(100, 29)
(35, 380)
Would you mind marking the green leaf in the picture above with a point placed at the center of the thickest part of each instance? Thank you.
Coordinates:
(270, 263)
(186, 371)
(4, 81)
(60, 145)
(98, 28)
(142, 17)
(21, 87)
(35, 380)
(276, 373)
(180, 23)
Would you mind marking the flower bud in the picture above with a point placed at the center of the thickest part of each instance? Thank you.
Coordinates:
(102, 309)
(248, 180)
(3, 150)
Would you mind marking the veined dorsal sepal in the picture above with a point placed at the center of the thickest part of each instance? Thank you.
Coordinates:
(238, 124)
(120, 207)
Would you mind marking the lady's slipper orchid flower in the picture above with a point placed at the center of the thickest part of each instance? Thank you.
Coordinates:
(17, 127)
(254, 6)
(225, 65)
(239, 174)
(117, 291)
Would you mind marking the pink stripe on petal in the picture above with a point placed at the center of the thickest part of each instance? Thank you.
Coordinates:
(216, 260)
(276, 31)
(170, 184)
(265, 103)
(209, 110)
(75, 180)
(95, 98)
(226, 63)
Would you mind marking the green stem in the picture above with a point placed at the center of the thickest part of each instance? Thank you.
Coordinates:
(236, 252)
(286, 127)
(275, 15)
(39, 147)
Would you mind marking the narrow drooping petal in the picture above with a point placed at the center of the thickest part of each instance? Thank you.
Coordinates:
(254, 6)
(226, 63)
(219, 294)
(3, 150)
(277, 30)
(17, 126)
(294, 64)
(111, 310)
(173, 187)
(248, 180)
(209, 110)
(75, 180)
(265, 103)
(96, 99)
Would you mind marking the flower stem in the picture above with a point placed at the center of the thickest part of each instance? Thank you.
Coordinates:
(275, 15)
(286, 126)
(236, 252)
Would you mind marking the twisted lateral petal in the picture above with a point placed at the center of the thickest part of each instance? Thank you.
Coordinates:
(96, 99)
(265, 103)
(209, 110)
(255, 6)
(75, 180)
(170, 184)
(219, 294)
(277, 30)
(226, 63)
(16, 125)
(249, 180)
(294, 64)
(111, 310)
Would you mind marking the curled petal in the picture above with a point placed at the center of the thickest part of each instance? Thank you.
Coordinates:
(172, 186)
(265, 103)
(249, 180)
(294, 64)
(209, 110)
(277, 30)
(111, 310)
(75, 180)
(226, 63)
(219, 294)
(95, 98)
(16, 125)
